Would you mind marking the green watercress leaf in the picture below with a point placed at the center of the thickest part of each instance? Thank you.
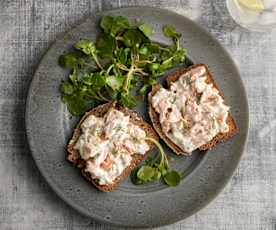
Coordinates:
(115, 82)
(119, 23)
(145, 173)
(157, 175)
(86, 46)
(144, 50)
(74, 77)
(172, 178)
(147, 83)
(76, 104)
(143, 89)
(179, 56)
(106, 45)
(70, 59)
(132, 38)
(146, 29)
(122, 55)
(113, 94)
(106, 23)
(170, 32)
(135, 180)
(67, 88)
(127, 100)
(112, 25)
(95, 79)
(153, 47)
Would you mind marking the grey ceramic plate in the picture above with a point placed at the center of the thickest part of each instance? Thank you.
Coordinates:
(49, 128)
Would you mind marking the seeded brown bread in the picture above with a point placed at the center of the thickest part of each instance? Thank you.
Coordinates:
(74, 156)
(155, 116)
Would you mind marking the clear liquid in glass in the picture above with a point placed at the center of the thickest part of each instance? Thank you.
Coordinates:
(256, 20)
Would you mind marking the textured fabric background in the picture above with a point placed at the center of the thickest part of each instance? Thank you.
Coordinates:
(28, 27)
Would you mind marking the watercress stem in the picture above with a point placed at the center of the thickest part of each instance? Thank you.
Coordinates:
(123, 67)
(129, 74)
(94, 97)
(109, 69)
(90, 65)
(167, 60)
(177, 44)
(102, 97)
(96, 60)
(141, 72)
(128, 78)
(119, 38)
(144, 61)
(163, 155)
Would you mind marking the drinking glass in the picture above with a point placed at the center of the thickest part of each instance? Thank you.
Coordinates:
(256, 15)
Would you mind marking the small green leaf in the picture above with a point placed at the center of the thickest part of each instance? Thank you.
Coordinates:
(179, 56)
(115, 82)
(145, 173)
(170, 32)
(127, 100)
(76, 104)
(153, 66)
(172, 178)
(112, 25)
(122, 55)
(70, 59)
(96, 80)
(146, 29)
(132, 38)
(106, 44)
(67, 88)
(73, 77)
(86, 46)
(165, 55)
(135, 180)
(157, 175)
(143, 89)
(83, 88)
(81, 63)
(144, 50)
(119, 23)
(172, 48)
(67, 60)
(122, 22)
(113, 94)
(151, 81)
(88, 79)
(154, 47)
(106, 23)
(148, 82)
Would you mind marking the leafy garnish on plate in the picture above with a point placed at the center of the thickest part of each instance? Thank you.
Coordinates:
(155, 168)
(122, 58)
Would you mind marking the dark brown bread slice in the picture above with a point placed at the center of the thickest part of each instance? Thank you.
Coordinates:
(74, 156)
(155, 116)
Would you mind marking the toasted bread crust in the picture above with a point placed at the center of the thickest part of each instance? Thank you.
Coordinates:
(155, 116)
(74, 156)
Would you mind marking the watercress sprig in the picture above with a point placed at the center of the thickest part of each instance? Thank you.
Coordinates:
(122, 58)
(155, 168)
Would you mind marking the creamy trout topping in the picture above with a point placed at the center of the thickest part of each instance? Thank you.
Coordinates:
(107, 143)
(191, 112)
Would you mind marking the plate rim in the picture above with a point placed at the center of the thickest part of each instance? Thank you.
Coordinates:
(56, 189)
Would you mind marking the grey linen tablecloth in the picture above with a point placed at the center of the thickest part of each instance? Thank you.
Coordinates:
(28, 27)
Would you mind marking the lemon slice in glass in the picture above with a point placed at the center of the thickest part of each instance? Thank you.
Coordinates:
(256, 5)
